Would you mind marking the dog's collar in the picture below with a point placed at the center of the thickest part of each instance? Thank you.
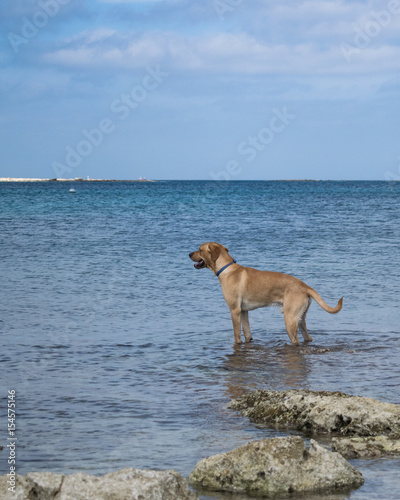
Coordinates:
(223, 268)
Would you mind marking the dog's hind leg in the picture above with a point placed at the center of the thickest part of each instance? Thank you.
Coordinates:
(304, 331)
(291, 327)
(302, 325)
(244, 319)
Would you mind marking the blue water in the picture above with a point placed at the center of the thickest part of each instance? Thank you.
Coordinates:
(122, 354)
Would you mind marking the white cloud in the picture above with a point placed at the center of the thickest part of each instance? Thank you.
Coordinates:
(220, 53)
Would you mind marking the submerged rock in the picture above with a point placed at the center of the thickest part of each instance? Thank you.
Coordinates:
(277, 466)
(315, 412)
(132, 484)
(366, 447)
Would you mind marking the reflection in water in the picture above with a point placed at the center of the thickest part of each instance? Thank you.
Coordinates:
(271, 366)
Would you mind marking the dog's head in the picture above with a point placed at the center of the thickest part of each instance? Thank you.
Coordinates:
(208, 254)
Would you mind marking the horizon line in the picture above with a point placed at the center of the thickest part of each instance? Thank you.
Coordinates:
(39, 179)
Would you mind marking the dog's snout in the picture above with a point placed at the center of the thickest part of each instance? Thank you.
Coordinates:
(190, 255)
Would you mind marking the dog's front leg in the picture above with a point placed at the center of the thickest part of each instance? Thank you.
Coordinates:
(235, 314)
(244, 319)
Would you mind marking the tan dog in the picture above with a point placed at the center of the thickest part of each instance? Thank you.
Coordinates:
(245, 289)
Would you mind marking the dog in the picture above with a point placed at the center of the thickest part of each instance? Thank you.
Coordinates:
(245, 289)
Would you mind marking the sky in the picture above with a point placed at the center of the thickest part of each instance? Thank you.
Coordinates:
(200, 89)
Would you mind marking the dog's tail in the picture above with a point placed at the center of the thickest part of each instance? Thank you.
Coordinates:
(333, 310)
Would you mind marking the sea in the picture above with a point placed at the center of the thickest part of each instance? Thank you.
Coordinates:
(121, 353)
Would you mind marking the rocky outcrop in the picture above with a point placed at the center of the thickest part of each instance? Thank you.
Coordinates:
(314, 412)
(277, 466)
(126, 484)
(366, 447)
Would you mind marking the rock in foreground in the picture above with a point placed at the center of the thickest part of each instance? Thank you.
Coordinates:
(276, 466)
(316, 412)
(126, 484)
(366, 447)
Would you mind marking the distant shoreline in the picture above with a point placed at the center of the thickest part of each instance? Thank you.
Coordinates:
(31, 179)
(21, 179)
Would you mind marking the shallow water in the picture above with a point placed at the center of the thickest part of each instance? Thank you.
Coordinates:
(122, 353)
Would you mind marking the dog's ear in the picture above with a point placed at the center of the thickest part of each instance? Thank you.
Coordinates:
(214, 250)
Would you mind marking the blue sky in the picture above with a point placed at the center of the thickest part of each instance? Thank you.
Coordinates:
(200, 89)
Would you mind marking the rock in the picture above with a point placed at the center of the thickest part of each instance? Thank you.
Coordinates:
(366, 447)
(277, 466)
(315, 412)
(126, 484)
(20, 488)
